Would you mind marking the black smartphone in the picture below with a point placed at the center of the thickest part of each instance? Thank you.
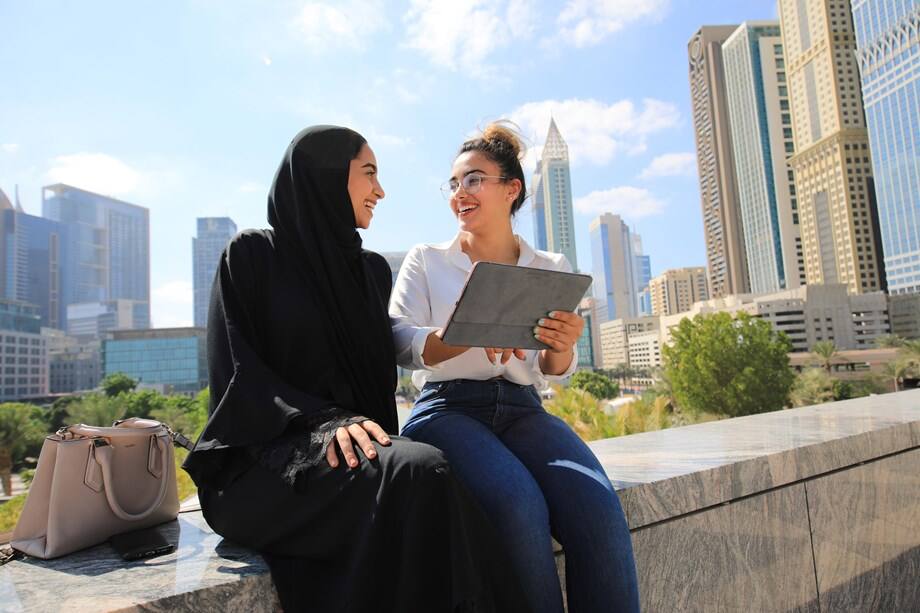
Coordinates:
(140, 544)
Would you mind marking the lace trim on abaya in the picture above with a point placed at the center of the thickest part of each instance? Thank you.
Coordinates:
(303, 445)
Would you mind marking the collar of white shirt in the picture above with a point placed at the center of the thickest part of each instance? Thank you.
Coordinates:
(455, 254)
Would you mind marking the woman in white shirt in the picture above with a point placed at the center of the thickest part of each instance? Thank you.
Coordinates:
(530, 472)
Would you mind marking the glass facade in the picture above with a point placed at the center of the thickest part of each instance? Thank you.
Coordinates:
(557, 196)
(105, 252)
(175, 359)
(614, 268)
(539, 210)
(888, 50)
(753, 73)
(30, 252)
(213, 235)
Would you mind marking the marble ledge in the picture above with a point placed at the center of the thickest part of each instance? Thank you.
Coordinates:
(205, 573)
(668, 473)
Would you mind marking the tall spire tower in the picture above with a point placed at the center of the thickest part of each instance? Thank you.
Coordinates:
(555, 186)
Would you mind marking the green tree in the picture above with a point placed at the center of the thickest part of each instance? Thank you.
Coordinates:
(18, 430)
(812, 386)
(142, 403)
(117, 383)
(97, 410)
(896, 371)
(582, 412)
(728, 366)
(596, 384)
(888, 340)
(825, 352)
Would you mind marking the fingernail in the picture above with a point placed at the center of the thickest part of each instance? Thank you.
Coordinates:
(386, 440)
(537, 336)
(542, 322)
(536, 330)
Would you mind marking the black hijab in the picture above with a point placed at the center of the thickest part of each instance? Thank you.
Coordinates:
(310, 210)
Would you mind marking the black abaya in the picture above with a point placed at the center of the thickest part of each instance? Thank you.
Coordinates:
(298, 344)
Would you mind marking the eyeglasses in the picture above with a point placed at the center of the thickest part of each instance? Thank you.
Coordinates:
(471, 184)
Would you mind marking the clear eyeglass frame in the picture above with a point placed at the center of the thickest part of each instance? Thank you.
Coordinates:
(470, 183)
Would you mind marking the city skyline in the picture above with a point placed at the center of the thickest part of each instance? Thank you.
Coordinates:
(197, 129)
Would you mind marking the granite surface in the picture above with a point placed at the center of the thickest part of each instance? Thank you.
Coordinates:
(205, 573)
(866, 526)
(672, 472)
(752, 555)
(719, 513)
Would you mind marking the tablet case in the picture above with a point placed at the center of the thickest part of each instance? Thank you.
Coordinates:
(500, 304)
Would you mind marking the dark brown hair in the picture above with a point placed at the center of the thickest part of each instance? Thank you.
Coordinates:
(501, 144)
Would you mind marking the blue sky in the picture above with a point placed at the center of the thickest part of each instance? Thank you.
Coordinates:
(185, 107)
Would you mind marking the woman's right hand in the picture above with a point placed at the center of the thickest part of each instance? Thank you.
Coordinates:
(361, 434)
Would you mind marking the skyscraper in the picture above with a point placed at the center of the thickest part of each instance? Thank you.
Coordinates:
(675, 291)
(642, 262)
(105, 251)
(614, 267)
(888, 48)
(556, 184)
(30, 268)
(721, 214)
(833, 175)
(539, 209)
(761, 129)
(213, 235)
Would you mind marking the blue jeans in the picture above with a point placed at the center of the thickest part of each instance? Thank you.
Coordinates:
(535, 479)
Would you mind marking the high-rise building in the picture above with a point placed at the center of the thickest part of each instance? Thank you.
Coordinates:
(615, 336)
(30, 266)
(761, 129)
(24, 352)
(556, 184)
(721, 213)
(213, 235)
(89, 321)
(888, 48)
(675, 291)
(539, 209)
(172, 359)
(833, 174)
(105, 251)
(614, 267)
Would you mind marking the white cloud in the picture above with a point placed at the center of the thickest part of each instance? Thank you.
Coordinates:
(627, 201)
(671, 165)
(172, 304)
(595, 131)
(463, 33)
(266, 60)
(588, 22)
(10, 147)
(347, 24)
(96, 172)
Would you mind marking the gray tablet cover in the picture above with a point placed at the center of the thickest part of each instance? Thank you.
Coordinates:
(500, 304)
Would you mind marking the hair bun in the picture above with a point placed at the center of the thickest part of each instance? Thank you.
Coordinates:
(504, 134)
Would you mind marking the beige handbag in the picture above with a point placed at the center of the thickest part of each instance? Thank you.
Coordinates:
(92, 483)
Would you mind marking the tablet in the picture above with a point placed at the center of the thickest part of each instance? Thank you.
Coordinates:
(500, 304)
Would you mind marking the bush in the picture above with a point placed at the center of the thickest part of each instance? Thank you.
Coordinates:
(582, 412)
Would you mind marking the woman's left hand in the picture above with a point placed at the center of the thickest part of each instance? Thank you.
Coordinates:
(560, 330)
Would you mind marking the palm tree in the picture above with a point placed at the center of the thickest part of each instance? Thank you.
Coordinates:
(18, 430)
(826, 351)
(888, 341)
(896, 371)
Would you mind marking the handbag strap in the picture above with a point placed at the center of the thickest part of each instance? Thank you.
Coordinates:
(102, 451)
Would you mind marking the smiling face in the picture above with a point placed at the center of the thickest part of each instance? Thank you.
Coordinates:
(363, 187)
(491, 205)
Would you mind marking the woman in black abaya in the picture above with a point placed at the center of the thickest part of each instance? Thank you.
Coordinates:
(302, 377)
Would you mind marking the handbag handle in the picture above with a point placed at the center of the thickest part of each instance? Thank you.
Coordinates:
(103, 454)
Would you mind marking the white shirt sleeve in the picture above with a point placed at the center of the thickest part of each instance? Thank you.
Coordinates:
(564, 266)
(410, 312)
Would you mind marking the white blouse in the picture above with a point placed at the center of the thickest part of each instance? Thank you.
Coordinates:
(429, 284)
